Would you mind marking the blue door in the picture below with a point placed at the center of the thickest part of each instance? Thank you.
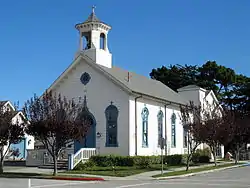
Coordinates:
(89, 141)
(18, 151)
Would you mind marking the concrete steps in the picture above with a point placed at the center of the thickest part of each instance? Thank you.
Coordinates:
(61, 165)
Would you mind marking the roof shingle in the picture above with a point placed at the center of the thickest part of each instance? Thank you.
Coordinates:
(141, 84)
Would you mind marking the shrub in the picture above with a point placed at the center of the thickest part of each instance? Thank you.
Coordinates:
(174, 160)
(83, 166)
(102, 160)
(204, 152)
(201, 156)
(142, 161)
(204, 159)
(113, 160)
(195, 157)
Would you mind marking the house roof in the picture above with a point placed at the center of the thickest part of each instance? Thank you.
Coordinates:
(3, 102)
(144, 85)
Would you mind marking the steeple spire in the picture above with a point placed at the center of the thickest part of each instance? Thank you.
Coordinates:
(93, 9)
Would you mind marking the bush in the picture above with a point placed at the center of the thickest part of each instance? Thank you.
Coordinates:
(195, 157)
(142, 161)
(174, 160)
(204, 159)
(204, 152)
(201, 156)
(112, 160)
(83, 166)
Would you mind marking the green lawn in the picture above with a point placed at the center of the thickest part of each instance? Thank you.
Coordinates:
(121, 171)
(182, 172)
(117, 171)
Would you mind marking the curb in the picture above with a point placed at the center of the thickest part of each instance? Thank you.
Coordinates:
(78, 178)
(197, 173)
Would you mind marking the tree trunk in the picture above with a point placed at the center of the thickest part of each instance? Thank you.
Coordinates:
(55, 165)
(237, 154)
(1, 160)
(215, 158)
(188, 161)
(1, 166)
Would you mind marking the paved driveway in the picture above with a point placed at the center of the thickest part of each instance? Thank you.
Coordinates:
(232, 178)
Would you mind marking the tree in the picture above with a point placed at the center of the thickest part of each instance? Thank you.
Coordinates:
(225, 83)
(214, 127)
(240, 131)
(192, 124)
(55, 121)
(11, 132)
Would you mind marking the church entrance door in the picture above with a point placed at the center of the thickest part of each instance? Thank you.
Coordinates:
(89, 141)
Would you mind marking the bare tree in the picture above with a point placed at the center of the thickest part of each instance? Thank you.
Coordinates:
(55, 121)
(11, 132)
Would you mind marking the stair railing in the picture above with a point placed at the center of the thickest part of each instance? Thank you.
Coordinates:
(81, 155)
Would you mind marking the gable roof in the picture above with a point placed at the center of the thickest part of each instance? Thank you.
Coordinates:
(137, 84)
(3, 103)
(144, 85)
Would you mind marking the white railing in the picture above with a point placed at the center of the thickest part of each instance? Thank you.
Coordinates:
(80, 155)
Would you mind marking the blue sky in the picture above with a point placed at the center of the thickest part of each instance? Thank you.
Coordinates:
(38, 39)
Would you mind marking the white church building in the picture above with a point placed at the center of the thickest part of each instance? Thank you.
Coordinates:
(130, 112)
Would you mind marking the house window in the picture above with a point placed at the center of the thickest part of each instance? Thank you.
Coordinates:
(160, 127)
(173, 130)
(185, 137)
(144, 115)
(111, 114)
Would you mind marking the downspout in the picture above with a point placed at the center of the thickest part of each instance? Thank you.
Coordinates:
(136, 123)
(166, 140)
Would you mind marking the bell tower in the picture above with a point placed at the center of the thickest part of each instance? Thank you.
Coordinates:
(93, 40)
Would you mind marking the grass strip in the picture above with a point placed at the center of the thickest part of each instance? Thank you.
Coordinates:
(184, 172)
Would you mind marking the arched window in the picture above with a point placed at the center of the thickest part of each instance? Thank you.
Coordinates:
(160, 127)
(173, 130)
(144, 115)
(102, 41)
(111, 114)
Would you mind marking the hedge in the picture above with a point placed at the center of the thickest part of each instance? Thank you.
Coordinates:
(200, 156)
(113, 160)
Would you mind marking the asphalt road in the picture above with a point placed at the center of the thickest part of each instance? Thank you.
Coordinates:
(232, 178)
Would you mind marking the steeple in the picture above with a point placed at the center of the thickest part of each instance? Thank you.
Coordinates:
(93, 40)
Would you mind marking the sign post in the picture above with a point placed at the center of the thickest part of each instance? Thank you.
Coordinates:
(162, 159)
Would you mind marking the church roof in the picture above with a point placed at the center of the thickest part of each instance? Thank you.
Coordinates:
(92, 18)
(190, 87)
(144, 85)
(131, 81)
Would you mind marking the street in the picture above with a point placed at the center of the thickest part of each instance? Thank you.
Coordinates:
(232, 178)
